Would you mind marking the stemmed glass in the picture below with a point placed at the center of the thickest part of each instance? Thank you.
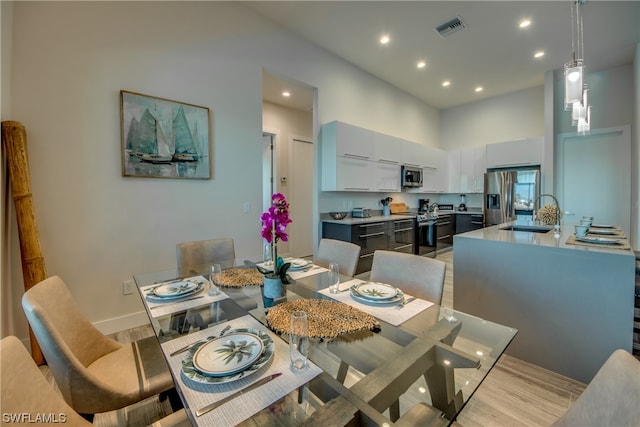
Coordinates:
(216, 277)
(334, 278)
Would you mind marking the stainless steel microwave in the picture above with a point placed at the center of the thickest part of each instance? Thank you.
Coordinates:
(411, 176)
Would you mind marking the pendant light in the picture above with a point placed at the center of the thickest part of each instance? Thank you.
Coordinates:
(575, 90)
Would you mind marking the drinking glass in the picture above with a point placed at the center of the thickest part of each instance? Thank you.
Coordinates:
(267, 255)
(334, 277)
(216, 276)
(299, 339)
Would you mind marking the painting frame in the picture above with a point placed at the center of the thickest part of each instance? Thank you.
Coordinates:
(164, 138)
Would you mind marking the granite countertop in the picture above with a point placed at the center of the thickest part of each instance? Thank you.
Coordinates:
(548, 239)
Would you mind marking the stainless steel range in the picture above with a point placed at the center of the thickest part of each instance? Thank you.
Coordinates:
(426, 233)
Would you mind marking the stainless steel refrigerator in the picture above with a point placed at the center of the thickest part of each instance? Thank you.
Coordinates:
(509, 194)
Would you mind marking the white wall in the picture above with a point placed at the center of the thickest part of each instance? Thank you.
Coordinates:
(635, 149)
(507, 117)
(7, 208)
(71, 59)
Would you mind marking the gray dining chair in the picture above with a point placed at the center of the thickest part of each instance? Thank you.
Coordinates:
(346, 254)
(416, 275)
(612, 397)
(94, 372)
(194, 254)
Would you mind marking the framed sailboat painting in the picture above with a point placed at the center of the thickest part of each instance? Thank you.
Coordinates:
(162, 138)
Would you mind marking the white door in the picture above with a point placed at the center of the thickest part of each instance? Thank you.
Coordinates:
(301, 201)
(594, 173)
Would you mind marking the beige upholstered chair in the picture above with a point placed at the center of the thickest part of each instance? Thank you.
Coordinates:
(192, 255)
(94, 373)
(346, 254)
(612, 398)
(26, 391)
(416, 275)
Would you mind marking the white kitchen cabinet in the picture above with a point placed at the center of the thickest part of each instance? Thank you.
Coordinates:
(414, 154)
(466, 170)
(347, 152)
(523, 152)
(388, 149)
(455, 170)
(354, 174)
(435, 166)
(387, 176)
(343, 139)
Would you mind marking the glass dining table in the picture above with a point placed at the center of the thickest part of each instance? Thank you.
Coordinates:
(421, 361)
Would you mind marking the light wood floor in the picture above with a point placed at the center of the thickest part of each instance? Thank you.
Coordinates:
(515, 393)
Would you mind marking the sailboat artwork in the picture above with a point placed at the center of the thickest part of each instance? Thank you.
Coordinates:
(163, 138)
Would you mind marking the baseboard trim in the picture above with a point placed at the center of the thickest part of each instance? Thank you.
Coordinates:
(122, 323)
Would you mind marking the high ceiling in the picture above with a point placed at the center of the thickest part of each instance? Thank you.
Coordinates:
(491, 52)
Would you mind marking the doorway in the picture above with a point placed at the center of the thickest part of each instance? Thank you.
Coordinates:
(289, 158)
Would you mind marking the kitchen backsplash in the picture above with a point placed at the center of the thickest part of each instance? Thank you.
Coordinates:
(342, 201)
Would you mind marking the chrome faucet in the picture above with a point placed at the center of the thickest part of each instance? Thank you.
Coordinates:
(557, 226)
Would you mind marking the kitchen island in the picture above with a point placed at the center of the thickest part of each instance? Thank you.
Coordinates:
(572, 305)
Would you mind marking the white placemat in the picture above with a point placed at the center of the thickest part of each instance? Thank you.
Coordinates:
(160, 308)
(244, 406)
(316, 269)
(394, 314)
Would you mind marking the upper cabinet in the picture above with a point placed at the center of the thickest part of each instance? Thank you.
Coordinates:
(348, 141)
(435, 167)
(351, 162)
(523, 152)
(466, 170)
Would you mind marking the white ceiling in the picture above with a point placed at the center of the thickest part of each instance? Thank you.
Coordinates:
(493, 52)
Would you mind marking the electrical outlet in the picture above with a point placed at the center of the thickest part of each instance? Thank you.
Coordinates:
(127, 287)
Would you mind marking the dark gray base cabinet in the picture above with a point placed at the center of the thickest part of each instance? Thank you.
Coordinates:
(396, 235)
(468, 222)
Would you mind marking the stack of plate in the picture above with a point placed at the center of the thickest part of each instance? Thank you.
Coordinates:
(375, 293)
(175, 290)
(235, 355)
(299, 264)
(599, 240)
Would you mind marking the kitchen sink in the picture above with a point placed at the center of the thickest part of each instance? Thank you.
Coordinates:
(529, 228)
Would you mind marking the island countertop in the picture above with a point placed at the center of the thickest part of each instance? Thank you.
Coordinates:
(548, 239)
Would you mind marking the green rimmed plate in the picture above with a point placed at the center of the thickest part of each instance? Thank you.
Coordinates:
(191, 374)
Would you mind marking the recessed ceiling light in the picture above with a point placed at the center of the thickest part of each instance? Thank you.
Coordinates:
(538, 54)
(286, 93)
(421, 64)
(385, 39)
(446, 83)
(479, 89)
(524, 23)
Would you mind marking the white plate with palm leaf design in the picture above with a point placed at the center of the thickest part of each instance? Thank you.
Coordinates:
(196, 286)
(378, 302)
(375, 291)
(228, 354)
(174, 290)
(193, 373)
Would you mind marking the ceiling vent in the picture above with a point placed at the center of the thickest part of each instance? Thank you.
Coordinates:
(450, 27)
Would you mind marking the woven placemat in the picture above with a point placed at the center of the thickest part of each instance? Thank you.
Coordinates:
(239, 277)
(327, 319)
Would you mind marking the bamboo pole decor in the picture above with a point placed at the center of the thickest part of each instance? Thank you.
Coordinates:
(14, 138)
